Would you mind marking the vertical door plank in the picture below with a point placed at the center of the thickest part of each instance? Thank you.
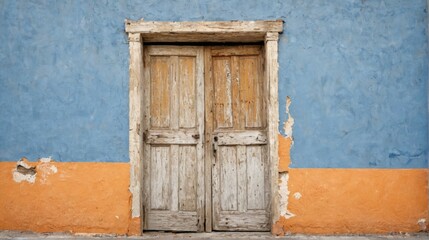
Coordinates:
(187, 179)
(222, 91)
(146, 147)
(262, 92)
(174, 175)
(228, 168)
(160, 91)
(201, 174)
(210, 186)
(250, 90)
(255, 178)
(235, 88)
(267, 188)
(174, 125)
(242, 178)
(216, 190)
(187, 92)
(160, 178)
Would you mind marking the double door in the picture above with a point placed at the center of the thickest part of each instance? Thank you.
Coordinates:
(205, 146)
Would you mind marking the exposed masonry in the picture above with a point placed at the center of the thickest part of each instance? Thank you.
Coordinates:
(284, 176)
(25, 171)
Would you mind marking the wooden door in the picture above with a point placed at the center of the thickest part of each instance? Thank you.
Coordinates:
(237, 138)
(173, 164)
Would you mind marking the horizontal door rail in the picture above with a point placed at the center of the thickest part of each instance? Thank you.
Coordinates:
(179, 137)
(251, 137)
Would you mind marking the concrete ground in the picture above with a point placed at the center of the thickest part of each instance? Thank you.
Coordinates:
(241, 235)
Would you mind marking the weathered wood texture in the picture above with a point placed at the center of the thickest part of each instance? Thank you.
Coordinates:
(249, 137)
(174, 134)
(271, 76)
(135, 121)
(229, 31)
(208, 148)
(142, 26)
(182, 137)
(235, 95)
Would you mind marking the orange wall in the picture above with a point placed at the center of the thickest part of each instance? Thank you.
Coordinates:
(94, 197)
(355, 201)
(328, 201)
(79, 197)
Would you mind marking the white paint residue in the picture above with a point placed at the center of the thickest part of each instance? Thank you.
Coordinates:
(46, 168)
(284, 196)
(297, 195)
(287, 127)
(422, 224)
(54, 169)
(135, 190)
(45, 160)
(19, 177)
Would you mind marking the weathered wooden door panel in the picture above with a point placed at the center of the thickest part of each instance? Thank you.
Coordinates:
(236, 127)
(173, 138)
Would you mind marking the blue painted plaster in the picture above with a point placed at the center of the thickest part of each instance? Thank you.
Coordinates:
(356, 72)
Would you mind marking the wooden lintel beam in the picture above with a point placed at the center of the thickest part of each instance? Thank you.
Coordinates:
(150, 27)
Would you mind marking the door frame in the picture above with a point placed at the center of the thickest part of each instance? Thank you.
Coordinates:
(140, 32)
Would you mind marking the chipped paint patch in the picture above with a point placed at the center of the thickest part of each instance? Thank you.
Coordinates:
(284, 196)
(27, 171)
(24, 172)
(46, 168)
(422, 224)
(284, 156)
(288, 125)
(297, 195)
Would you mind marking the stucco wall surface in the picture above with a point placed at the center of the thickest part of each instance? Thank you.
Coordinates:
(75, 197)
(356, 73)
(333, 201)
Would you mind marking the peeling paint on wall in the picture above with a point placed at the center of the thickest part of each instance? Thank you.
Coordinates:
(24, 172)
(285, 145)
(297, 195)
(288, 124)
(284, 196)
(46, 168)
(28, 171)
(422, 224)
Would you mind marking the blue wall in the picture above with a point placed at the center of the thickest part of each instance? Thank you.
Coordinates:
(356, 72)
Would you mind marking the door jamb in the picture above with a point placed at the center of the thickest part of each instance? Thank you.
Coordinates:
(229, 31)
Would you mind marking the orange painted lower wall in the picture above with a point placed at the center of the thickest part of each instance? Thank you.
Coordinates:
(67, 197)
(94, 198)
(329, 201)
